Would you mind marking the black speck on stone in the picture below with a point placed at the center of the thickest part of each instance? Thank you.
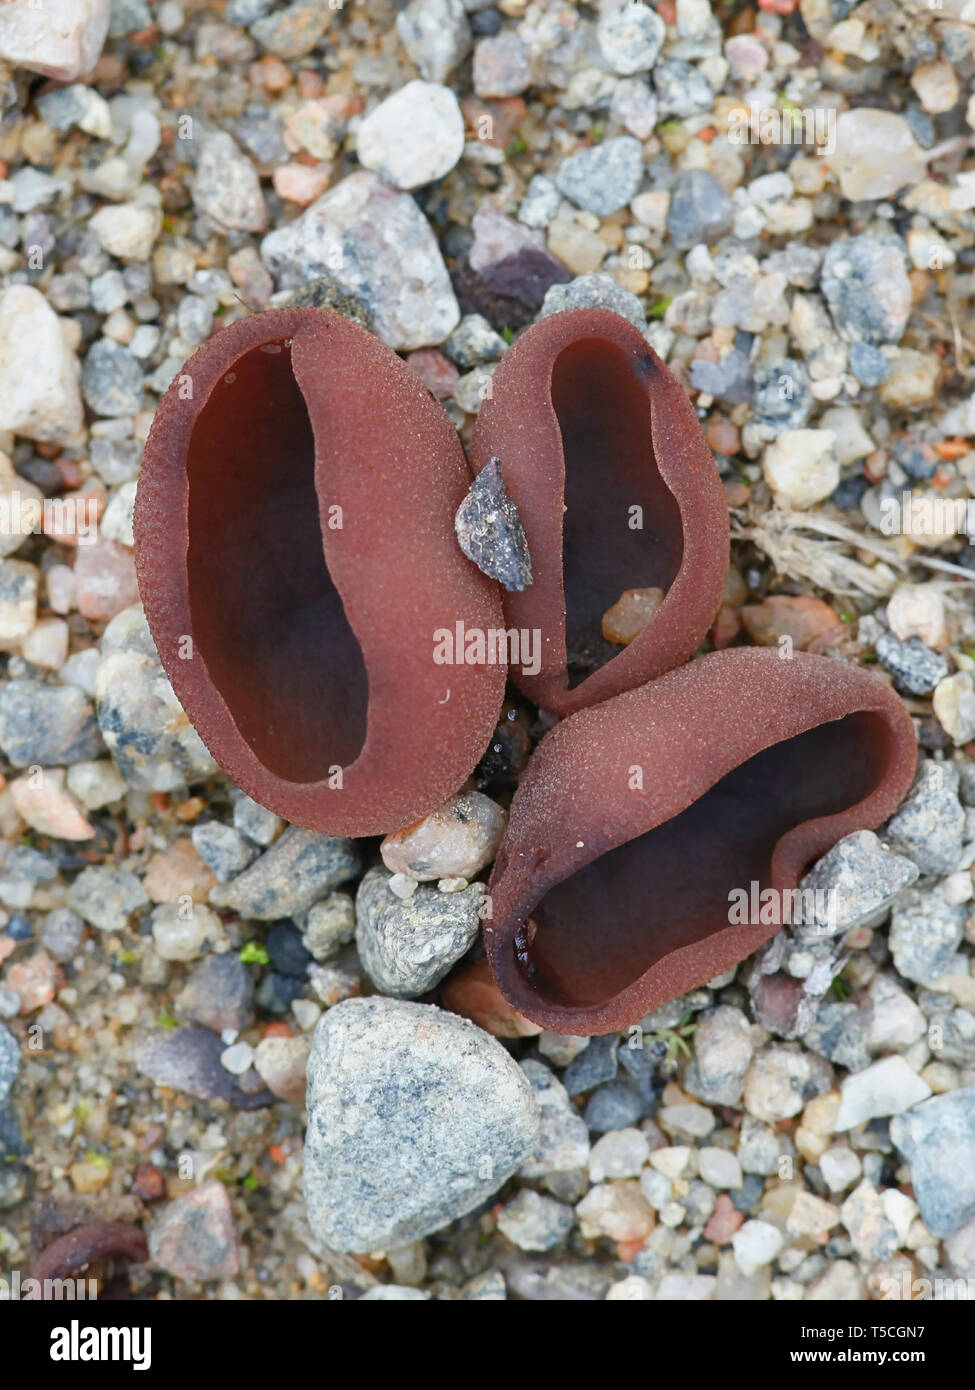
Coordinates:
(219, 994)
(276, 993)
(20, 929)
(188, 1060)
(747, 1196)
(916, 668)
(617, 1105)
(286, 951)
(593, 1065)
(490, 533)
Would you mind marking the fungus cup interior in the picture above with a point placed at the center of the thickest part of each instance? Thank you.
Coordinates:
(599, 395)
(267, 618)
(669, 887)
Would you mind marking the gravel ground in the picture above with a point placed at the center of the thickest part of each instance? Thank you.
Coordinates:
(447, 172)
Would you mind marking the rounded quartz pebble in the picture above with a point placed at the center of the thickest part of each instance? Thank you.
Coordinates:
(413, 137)
(182, 932)
(535, 1222)
(415, 1117)
(281, 1064)
(456, 841)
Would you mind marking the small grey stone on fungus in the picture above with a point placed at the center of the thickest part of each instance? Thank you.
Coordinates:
(490, 532)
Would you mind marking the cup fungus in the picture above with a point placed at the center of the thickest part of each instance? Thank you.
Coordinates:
(602, 453)
(639, 822)
(297, 560)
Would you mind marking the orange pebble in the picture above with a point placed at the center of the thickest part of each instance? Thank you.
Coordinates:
(277, 1030)
(952, 448)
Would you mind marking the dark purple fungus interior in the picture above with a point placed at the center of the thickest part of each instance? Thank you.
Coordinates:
(622, 526)
(670, 886)
(268, 620)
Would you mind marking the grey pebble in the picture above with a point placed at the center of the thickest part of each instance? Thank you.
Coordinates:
(603, 178)
(925, 934)
(53, 725)
(111, 379)
(782, 396)
(62, 931)
(857, 880)
(474, 341)
(562, 1145)
(106, 896)
(930, 826)
(937, 1137)
(865, 283)
(415, 1117)
(700, 209)
(489, 530)
(729, 380)
(9, 1061)
(594, 292)
(916, 668)
(299, 868)
(219, 994)
(222, 848)
(593, 1065)
(152, 743)
(868, 364)
(616, 1105)
(682, 89)
(408, 945)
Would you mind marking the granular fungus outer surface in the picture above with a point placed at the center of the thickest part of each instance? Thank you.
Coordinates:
(637, 818)
(296, 558)
(616, 488)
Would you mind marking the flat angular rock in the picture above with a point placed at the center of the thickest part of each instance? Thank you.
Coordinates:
(937, 1138)
(188, 1059)
(490, 533)
(299, 868)
(377, 245)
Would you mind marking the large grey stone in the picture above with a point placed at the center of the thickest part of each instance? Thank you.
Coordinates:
(415, 1116)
